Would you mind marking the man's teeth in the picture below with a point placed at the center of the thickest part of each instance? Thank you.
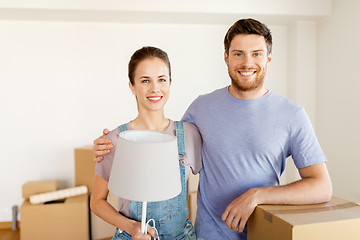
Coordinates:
(246, 73)
(154, 98)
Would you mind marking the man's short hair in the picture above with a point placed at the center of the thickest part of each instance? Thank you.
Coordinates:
(248, 26)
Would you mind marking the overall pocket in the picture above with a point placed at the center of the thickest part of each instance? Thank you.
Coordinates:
(121, 235)
(165, 210)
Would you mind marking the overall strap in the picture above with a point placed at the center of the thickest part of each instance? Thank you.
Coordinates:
(122, 128)
(180, 135)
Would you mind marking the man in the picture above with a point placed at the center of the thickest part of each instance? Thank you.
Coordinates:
(248, 133)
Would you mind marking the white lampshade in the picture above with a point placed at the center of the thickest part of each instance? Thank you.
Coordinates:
(145, 166)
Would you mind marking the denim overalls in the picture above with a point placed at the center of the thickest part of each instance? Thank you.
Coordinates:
(171, 216)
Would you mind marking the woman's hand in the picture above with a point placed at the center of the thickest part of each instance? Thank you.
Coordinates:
(101, 146)
(136, 233)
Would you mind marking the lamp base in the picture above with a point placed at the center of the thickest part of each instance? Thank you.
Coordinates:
(143, 218)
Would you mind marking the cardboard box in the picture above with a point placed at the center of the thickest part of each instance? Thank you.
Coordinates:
(84, 175)
(35, 187)
(57, 221)
(193, 182)
(100, 229)
(337, 219)
(84, 167)
(192, 206)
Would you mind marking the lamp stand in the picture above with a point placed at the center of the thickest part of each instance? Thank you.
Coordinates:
(143, 219)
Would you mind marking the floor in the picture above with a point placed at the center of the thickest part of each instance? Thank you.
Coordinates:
(8, 234)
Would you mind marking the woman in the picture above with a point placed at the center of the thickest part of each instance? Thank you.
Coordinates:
(150, 79)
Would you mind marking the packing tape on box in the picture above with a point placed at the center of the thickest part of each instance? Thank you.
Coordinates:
(321, 208)
(57, 195)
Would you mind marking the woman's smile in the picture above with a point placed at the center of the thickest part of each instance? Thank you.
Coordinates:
(155, 99)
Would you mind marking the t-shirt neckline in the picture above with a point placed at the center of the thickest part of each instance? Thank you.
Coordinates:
(235, 99)
(167, 130)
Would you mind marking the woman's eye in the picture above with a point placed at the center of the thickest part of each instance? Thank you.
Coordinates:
(162, 80)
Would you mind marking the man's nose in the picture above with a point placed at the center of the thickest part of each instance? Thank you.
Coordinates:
(248, 60)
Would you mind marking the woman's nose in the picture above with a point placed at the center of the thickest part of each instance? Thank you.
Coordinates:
(155, 86)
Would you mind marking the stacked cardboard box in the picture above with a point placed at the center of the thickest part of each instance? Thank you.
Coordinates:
(68, 219)
(65, 219)
(84, 175)
(337, 219)
(36, 187)
(193, 182)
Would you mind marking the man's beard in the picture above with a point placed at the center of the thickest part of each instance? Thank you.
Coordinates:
(248, 86)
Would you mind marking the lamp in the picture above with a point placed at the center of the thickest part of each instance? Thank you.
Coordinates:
(143, 156)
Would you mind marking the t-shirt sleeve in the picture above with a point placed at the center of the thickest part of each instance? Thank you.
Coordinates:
(190, 112)
(103, 168)
(193, 145)
(305, 148)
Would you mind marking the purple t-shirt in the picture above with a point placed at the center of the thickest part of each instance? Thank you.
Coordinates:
(193, 146)
(245, 145)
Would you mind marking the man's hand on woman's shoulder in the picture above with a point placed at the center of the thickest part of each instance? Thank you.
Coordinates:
(101, 146)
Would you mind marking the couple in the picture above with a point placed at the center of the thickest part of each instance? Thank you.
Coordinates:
(244, 133)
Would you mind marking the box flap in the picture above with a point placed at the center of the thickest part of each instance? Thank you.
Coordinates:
(335, 210)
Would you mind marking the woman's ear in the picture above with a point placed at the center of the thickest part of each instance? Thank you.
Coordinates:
(132, 88)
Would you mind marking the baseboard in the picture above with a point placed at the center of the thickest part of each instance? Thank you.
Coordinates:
(8, 225)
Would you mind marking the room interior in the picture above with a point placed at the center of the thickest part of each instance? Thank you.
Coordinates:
(64, 76)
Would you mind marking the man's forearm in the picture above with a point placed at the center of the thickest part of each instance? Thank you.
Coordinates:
(314, 187)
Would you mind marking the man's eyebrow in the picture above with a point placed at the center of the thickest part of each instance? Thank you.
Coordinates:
(257, 50)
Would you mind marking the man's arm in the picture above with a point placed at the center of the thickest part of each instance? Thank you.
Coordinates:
(314, 187)
(102, 146)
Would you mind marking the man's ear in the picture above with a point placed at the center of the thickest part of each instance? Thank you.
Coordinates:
(226, 58)
(269, 57)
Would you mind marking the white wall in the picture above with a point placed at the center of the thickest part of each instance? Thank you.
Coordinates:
(302, 9)
(301, 85)
(62, 82)
(338, 98)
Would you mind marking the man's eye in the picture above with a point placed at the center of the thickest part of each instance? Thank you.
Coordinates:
(238, 54)
(257, 54)
(162, 80)
(145, 81)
